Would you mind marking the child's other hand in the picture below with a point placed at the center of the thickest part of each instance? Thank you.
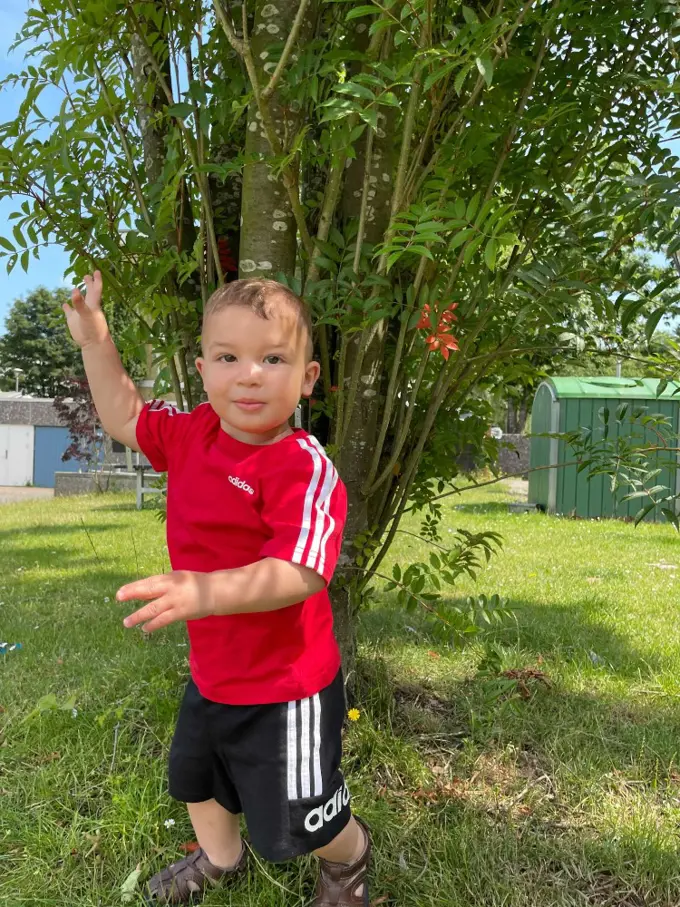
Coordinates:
(85, 318)
(180, 595)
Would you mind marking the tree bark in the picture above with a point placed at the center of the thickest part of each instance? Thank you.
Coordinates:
(268, 236)
(354, 457)
(518, 411)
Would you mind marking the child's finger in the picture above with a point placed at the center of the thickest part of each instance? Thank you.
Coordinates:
(151, 587)
(77, 299)
(163, 620)
(154, 609)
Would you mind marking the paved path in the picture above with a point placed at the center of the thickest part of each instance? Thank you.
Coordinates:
(9, 494)
(517, 487)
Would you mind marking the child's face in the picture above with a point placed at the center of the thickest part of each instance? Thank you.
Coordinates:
(255, 370)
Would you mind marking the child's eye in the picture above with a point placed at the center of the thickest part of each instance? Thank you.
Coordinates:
(273, 360)
(227, 357)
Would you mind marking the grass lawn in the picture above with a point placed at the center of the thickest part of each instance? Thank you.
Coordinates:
(566, 795)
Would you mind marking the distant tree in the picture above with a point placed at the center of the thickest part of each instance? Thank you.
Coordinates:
(37, 342)
(76, 410)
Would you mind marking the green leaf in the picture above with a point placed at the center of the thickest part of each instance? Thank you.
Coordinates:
(461, 238)
(490, 254)
(460, 78)
(25, 256)
(653, 321)
(485, 66)
(396, 572)
(325, 264)
(642, 513)
(127, 889)
(354, 90)
(357, 132)
(6, 244)
(671, 517)
(421, 250)
(369, 115)
(181, 110)
(394, 257)
(469, 15)
(472, 248)
(631, 312)
(359, 11)
(472, 207)
(19, 236)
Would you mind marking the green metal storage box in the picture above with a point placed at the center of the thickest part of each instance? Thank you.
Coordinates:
(565, 404)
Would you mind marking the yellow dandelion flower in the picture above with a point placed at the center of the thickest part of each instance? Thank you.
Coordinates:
(353, 714)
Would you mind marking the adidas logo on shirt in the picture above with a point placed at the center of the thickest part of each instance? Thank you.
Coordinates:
(239, 483)
(317, 817)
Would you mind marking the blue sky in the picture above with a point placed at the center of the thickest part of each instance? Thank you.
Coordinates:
(49, 270)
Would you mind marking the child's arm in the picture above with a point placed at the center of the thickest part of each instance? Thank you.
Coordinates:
(117, 400)
(266, 585)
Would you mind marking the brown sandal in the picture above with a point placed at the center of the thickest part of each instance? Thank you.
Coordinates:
(338, 882)
(183, 881)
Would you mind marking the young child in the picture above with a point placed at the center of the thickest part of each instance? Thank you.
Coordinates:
(255, 518)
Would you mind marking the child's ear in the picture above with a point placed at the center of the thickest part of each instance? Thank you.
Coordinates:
(312, 372)
(199, 366)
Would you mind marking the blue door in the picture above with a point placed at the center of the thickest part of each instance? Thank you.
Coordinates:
(50, 444)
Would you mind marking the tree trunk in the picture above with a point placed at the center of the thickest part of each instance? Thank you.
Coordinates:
(518, 411)
(353, 459)
(268, 231)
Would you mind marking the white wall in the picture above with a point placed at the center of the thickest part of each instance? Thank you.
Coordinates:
(16, 454)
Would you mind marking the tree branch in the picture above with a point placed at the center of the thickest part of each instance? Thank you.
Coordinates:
(119, 129)
(228, 27)
(188, 138)
(268, 90)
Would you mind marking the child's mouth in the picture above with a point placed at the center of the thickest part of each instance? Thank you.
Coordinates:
(249, 406)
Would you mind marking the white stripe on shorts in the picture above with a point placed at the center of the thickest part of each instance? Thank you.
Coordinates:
(316, 753)
(292, 751)
(305, 754)
(303, 762)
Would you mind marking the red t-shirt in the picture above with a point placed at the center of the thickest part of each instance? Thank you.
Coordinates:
(231, 504)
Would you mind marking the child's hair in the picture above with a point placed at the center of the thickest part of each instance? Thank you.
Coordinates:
(254, 293)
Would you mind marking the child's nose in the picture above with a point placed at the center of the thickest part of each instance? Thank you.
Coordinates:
(252, 373)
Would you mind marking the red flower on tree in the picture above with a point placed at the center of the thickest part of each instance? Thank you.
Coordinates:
(424, 319)
(440, 339)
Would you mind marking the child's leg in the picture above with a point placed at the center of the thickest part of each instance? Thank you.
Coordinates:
(196, 779)
(346, 850)
(220, 857)
(217, 832)
(347, 847)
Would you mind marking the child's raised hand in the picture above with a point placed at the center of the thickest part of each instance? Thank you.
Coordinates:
(85, 318)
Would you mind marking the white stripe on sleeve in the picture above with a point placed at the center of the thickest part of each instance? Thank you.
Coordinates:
(317, 553)
(298, 554)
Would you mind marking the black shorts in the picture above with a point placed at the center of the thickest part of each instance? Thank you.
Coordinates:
(278, 764)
